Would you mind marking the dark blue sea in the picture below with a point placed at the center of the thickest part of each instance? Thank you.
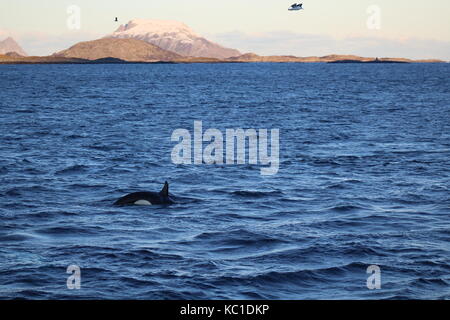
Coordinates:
(363, 180)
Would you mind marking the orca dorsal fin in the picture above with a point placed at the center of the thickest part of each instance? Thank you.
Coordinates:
(165, 190)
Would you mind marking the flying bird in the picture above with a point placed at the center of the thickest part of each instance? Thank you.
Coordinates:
(296, 7)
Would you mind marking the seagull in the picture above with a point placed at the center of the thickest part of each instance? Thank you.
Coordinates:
(296, 7)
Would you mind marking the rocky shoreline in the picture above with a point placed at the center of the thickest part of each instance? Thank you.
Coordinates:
(14, 59)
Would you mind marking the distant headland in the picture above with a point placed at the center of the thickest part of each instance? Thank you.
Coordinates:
(161, 41)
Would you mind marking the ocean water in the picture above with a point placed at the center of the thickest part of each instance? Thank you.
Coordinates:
(363, 180)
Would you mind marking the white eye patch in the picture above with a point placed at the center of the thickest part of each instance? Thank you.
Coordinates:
(143, 203)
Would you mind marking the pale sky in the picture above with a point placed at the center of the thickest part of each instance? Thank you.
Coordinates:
(407, 28)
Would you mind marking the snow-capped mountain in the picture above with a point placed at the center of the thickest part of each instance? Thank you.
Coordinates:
(173, 36)
(9, 45)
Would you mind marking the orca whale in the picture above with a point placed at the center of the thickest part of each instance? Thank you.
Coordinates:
(146, 198)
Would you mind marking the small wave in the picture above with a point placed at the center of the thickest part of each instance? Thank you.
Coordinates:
(14, 192)
(30, 294)
(25, 111)
(33, 171)
(72, 170)
(50, 214)
(43, 133)
(337, 186)
(353, 181)
(68, 230)
(137, 283)
(256, 194)
(339, 223)
(15, 237)
(101, 147)
(87, 186)
(304, 277)
(325, 162)
(359, 249)
(75, 136)
(255, 295)
(149, 254)
(238, 238)
(433, 282)
(345, 208)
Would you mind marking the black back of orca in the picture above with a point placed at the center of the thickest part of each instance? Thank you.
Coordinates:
(146, 198)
